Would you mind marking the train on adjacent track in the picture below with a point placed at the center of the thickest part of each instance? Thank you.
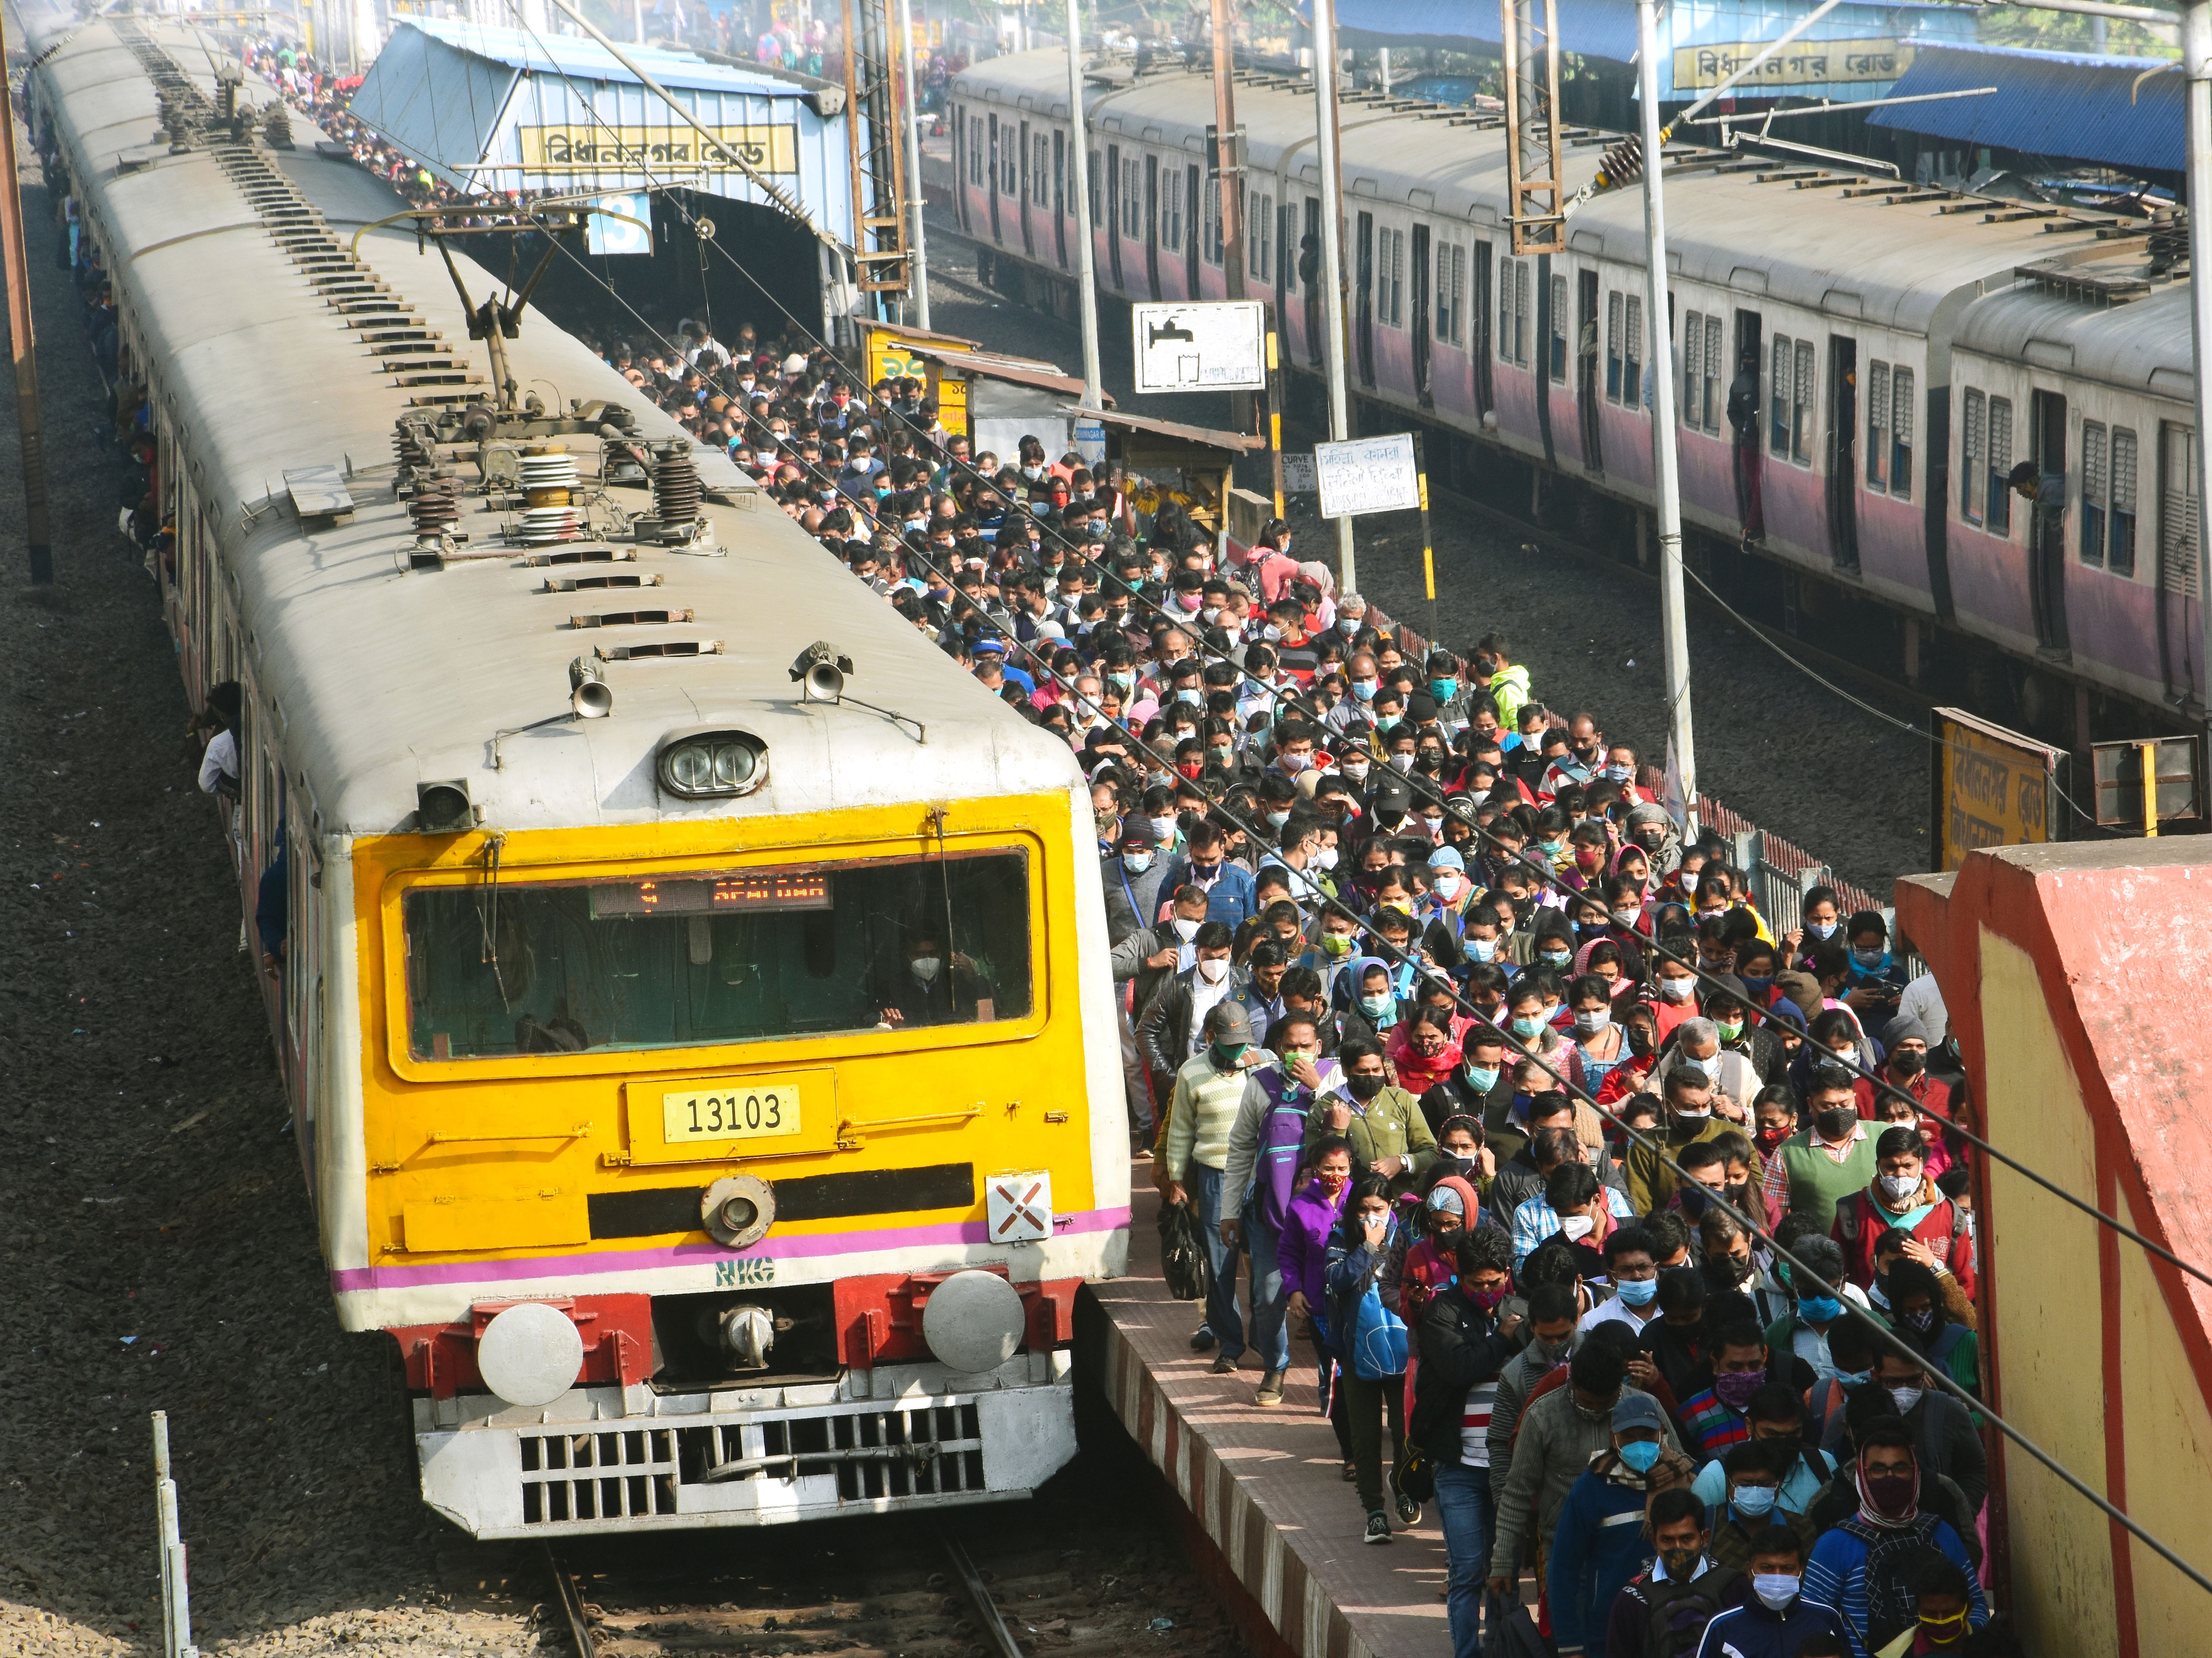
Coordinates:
(1910, 346)
(708, 1080)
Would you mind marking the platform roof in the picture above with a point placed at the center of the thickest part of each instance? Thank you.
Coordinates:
(512, 109)
(2123, 112)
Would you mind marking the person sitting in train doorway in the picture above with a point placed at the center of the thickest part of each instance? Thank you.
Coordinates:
(1743, 419)
(924, 993)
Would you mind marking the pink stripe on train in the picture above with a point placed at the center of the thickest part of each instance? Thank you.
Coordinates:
(637, 1260)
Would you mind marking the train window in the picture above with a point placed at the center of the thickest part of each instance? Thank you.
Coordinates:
(1694, 383)
(746, 955)
(1612, 347)
(1210, 229)
(1973, 428)
(1390, 279)
(2120, 547)
(1632, 354)
(1041, 172)
(1171, 209)
(1716, 380)
(1996, 493)
(1259, 234)
(1559, 314)
(1524, 319)
(1801, 414)
(1451, 293)
(1132, 197)
(1901, 432)
(2096, 486)
(975, 150)
(1779, 398)
(2177, 509)
(1009, 156)
(1877, 412)
(1506, 268)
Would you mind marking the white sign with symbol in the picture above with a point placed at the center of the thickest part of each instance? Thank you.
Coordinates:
(630, 233)
(1367, 474)
(1018, 1207)
(1220, 346)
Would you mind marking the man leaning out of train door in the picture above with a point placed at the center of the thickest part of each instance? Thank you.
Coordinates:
(1210, 1090)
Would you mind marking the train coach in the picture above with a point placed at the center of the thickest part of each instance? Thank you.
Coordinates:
(691, 991)
(1908, 346)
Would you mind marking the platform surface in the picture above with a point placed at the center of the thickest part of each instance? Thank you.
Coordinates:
(1266, 1484)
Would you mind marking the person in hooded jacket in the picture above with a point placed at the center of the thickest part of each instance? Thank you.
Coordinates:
(1309, 1221)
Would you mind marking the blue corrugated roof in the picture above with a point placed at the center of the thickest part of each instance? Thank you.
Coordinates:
(587, 59)
(1598, 28)
(2063, 105)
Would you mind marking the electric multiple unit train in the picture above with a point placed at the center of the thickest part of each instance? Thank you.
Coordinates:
(710, 1081)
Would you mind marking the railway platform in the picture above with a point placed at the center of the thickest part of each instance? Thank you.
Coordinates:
(1263, 1486)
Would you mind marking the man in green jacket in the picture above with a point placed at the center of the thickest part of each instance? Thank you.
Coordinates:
(1389, 1136)
(1687, 1093)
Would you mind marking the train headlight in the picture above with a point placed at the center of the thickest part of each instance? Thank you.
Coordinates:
(530, 1354)
(973, 1321)
(738, 1210)
(712, 765)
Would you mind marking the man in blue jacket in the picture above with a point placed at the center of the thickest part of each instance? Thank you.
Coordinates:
(1777, 1620)
(1600, 1542)
(1231, 897)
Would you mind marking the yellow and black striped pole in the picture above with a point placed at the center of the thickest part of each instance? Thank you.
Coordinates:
(1274, 425)
(1428, 546)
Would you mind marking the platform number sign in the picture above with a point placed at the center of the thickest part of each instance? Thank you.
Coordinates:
(620, 224)
(1018, 1207)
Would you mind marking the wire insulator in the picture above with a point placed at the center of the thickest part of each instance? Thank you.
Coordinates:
(675, 484)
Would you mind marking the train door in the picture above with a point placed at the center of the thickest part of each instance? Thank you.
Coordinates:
(1750, 457)
(1190, 232)
(1586, 399)
(1152, 224)
(1362, 298)
(991, 178)
(1478, 335)
(1022, 180)
(2046, 523)
(1419, 300)
(1113, 212)
(1059, 197)
(1311, 276)
(1843, 452)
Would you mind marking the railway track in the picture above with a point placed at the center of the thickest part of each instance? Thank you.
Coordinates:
(1082, 1570)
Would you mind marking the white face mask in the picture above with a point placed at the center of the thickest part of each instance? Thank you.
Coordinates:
(1900, 1188)
(925, 967)
(1213, 969)
(1906, 1398)
(1677, 989)
(1326, 858)
(1575, 1227)
(1775, 1590)
(1186, 929)
(1401, 763)
(1447, 887)
(1164, 828)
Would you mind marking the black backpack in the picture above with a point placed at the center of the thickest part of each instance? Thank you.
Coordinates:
(1183, 1260)
(1680, 1611)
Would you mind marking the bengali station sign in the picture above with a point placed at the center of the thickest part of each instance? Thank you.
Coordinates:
(1802, 63)
(593, 148)
(1992, 787)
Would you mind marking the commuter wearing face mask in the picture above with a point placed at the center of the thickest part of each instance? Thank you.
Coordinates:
(1932, 1324)
(1862, 1568)
(1205, 863)
(1833, 1157)
(1211, 1090)
(1696, 1045)
(1664, 1611)
(1804, 1329)
(1905, 1066)
(1901, 1196)
(925, 993)
(1171, 1029)
(1135, 878)
(1728, 1002)
(1776, 1621)
(1687, 1095)
(1387, 1134)
(1599, 1547)
(1673, 985)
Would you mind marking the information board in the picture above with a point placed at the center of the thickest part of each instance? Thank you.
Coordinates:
(1299, 475)
(1992, 787)
(1219, 346)
(1367, 474)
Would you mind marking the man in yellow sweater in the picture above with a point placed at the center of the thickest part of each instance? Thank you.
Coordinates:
(1209, 1091)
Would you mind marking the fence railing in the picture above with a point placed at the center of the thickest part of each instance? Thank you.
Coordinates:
(176, 1596)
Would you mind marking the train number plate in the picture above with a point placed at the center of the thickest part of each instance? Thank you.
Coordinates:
(730, 1110)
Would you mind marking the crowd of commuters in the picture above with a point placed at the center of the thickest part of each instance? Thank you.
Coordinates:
(1487, 1085)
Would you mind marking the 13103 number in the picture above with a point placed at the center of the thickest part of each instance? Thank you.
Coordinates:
(751, 1111)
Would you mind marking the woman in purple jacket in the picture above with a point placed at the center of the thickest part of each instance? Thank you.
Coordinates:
(1303, 1251)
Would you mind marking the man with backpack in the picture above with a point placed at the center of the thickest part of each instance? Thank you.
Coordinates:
(1664, 1611)
(1864, 1568)
(1266, 1146)
(1776, 1621)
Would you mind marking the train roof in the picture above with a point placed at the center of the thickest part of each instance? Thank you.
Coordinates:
(382, 677)
(2136, 345)
(1739, 223)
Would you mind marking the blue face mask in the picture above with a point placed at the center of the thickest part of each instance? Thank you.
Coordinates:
(1444, 690)
(1641, 1454)
(1387, 721)
(1752, 1502)
(1375, 1006)
(1639, 1292)
(1851, 1379)
(1482, 949)
(1484, 1081)
(1527, 1028)
(1820, 1309)
(1757, 985)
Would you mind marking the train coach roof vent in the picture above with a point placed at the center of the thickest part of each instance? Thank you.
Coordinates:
(658, 648)
(319, 492)
(2087, 286)
(630, 618)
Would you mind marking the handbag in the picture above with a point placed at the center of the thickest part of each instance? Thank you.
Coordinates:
(1184, 1263)
(1509, 1632)
(1415, 1475)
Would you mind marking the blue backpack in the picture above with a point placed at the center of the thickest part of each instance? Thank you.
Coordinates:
(1378, 1338)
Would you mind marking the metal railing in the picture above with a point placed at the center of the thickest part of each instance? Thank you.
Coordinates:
(176, 1597)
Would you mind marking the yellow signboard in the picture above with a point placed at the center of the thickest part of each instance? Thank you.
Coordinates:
(1803, 63)
(594, 148)
(1993, 787)
(952, 405)
(891, 355)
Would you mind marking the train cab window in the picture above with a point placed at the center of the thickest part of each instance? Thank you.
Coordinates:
(743, 955)
(1996, 493)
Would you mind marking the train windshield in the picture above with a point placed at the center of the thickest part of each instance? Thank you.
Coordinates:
(499, 968)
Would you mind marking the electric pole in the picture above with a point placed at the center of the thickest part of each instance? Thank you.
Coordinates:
(22, 344)
(1079, 184)
(1332, 255)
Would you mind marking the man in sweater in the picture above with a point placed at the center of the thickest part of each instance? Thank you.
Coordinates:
(1903, 1197)
(1600, 1542)
(1832, 1158)
(1209, 1091)
(1559, 1435)
(1553, 1308)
